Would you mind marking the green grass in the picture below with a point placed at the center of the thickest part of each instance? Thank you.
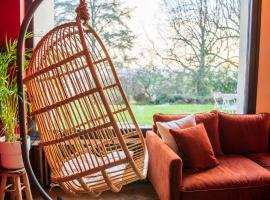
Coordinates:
(144, 113)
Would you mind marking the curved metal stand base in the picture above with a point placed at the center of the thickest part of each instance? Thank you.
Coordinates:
(20, 57)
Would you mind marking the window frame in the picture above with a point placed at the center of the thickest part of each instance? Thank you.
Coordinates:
(253, 52)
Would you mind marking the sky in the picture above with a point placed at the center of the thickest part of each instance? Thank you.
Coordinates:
(144, 22)
(144, 16)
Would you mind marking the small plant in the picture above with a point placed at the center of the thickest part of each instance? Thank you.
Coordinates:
(9, 111)
(8, 90)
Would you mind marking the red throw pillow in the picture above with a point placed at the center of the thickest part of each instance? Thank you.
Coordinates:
(194, 147)
(244, 134)
(209, 119)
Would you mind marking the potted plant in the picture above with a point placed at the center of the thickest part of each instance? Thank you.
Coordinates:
(10, 144)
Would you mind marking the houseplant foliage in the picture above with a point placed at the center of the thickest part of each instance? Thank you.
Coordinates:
(8, 89)
(10, 149)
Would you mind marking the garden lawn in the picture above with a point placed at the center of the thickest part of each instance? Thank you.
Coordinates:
(144, 113)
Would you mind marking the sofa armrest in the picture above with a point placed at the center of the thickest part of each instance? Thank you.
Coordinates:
(164, 168)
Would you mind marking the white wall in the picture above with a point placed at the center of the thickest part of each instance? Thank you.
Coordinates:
(43, 19)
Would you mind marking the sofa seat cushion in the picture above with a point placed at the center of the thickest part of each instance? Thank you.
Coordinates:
(263, 159)
(234, 171)
(235, 178)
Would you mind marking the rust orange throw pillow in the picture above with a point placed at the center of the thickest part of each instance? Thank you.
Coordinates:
(194, 147)
(209, 119)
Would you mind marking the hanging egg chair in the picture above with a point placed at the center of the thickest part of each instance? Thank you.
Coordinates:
(90, 137)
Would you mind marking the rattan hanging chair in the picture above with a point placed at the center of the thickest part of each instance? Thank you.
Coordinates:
(90, 137)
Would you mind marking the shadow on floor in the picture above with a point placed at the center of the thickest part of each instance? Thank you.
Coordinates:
(134, 191)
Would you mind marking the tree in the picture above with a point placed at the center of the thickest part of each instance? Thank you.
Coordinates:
(108, 18)
(202, 38)
(147, 83)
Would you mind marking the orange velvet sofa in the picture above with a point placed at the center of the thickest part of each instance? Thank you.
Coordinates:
(244, 161)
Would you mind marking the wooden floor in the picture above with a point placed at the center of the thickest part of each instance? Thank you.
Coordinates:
(135, 191)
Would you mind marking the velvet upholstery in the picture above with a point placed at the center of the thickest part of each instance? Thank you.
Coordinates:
(244, 134)
(236, 177)
(263, 159)
(250, 193)
(164, 168)
(209, 119)
(194, 147)
(233, 171)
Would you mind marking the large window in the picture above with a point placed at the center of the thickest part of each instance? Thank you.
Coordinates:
(172, 56)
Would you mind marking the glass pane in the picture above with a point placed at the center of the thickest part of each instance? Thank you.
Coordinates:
(172, 56)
